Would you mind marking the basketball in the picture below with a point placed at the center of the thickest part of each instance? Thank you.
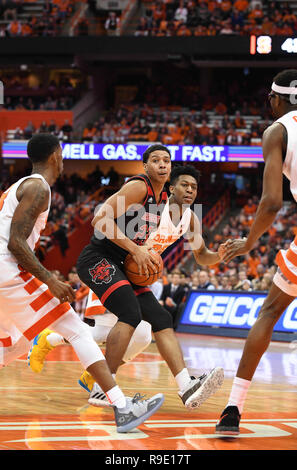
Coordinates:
(131, 271)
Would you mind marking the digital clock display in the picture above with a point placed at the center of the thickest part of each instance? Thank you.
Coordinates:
(272, 45)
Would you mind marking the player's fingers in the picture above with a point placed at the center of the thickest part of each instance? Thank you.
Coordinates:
(152, 265)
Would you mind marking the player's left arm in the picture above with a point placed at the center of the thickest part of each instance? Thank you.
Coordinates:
(272, 192)
(201, 253)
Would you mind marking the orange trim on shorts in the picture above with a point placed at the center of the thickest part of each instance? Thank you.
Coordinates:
(291, 256)
(284, 269)
(46, 320)
(112, 288)
(6, 342)
(33, 285)
(25, 275)
(95, 310)
(42, 300)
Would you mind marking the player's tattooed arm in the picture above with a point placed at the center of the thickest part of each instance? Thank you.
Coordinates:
(33, 198)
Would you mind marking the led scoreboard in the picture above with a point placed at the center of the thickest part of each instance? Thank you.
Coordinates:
(273, 45)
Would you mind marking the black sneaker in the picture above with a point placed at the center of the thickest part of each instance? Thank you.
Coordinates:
(228, 423)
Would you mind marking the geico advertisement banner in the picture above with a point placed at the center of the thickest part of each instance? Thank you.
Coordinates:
(233, 310)
(183, 153)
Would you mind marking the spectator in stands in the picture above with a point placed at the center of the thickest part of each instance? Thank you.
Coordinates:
(66, 131)
(250, 207)
(89, 132)
(43, 127)
(14, 28)
(29, 130)
(172, 296)
(52, 128)
(142, 28)
(204, 282)
(18, 134)
(181, 13)
(8, 10)
(112, 24)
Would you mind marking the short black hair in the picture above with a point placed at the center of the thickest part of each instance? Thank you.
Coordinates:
(41, 146)
(183, 170)
(151, 149)
(285, 78)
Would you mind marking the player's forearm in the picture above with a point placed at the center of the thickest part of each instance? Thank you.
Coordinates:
(110, 230)
(26, 258)
(206, 258)
(265, 217)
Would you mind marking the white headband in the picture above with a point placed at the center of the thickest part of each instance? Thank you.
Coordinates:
(284, 90)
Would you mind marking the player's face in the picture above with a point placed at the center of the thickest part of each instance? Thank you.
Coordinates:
(185, 190)
(158, 166)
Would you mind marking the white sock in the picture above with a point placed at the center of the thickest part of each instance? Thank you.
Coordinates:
(238, 393)
(54, 339)
(116, 397)
(97, 387)
(182, 379)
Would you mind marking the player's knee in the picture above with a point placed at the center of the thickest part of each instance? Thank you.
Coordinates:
(143, 334)
(162, 321)
(130, 316)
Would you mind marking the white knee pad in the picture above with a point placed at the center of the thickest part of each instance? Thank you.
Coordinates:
(72, 328)
(140, 340)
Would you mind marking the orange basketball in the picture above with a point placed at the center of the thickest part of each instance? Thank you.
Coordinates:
(131, 271)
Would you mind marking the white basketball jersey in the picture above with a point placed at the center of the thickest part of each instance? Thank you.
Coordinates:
(167, 233)
(8, 205)
(289, 121)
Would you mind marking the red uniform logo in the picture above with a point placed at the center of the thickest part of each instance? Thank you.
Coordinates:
(102, 272)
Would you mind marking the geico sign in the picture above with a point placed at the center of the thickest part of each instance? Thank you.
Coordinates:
(235, 310)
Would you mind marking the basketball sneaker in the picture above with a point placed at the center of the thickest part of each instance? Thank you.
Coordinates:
(97, 396)
(228, 423)
(86, 381)
(39, 350)
(136, 411)
(200, 389)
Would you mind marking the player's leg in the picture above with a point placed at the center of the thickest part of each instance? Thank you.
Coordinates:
(140, 340)
(193, 391)
(256, 344)
(129, 413)
(107, 280)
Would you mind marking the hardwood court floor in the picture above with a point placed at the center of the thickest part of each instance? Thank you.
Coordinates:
(49, 411)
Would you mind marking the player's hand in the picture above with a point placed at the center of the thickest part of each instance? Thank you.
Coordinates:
(61, 290)
(222, 251)
(235, 248)
(145, 258)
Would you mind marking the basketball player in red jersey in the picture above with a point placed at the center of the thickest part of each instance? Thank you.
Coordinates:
(31, 298)
(280, 156)
(118, 231)
(176, 220)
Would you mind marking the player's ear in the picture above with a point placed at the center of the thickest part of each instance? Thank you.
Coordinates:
(171, 189)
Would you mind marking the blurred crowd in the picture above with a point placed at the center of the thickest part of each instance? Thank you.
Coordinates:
(181, 127)
(64, 132)
(217, 17)
(49, 23)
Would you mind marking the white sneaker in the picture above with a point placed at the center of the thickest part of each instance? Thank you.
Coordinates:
(136, 411)
(98, 397)
(200, 389)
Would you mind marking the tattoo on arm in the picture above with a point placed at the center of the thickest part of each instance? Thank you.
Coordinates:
(33, 202)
